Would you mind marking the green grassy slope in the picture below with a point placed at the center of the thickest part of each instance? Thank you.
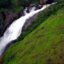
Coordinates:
(45, 45)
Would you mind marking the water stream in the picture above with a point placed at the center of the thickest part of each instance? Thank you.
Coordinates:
(15, 29)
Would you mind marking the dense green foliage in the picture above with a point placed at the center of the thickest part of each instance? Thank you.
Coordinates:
(5, 3)
(44, 42)
(15, 3)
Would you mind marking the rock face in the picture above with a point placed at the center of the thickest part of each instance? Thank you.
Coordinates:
(7, 19)
(49, 1)
(42, 2)
(29, 22)
(46, 1)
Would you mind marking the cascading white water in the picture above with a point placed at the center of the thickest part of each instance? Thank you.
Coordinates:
(15, 29)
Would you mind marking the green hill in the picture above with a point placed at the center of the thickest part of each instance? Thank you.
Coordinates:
(44, 45)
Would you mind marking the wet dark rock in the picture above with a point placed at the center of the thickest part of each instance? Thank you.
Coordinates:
(38, 7)
(49, 1)
(29, 22)
(7, 18)
(28, 10)
(42, 2)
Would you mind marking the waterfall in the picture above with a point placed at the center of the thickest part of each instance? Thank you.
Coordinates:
(15, 29)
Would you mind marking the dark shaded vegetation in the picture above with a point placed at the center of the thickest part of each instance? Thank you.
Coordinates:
(5, 4)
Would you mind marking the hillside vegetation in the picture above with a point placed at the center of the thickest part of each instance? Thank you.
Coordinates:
(44, 45)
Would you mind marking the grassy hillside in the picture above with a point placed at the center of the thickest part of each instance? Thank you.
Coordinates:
(44, 45)
(41, 18)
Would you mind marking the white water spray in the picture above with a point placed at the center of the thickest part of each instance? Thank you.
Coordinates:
(15, 29)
